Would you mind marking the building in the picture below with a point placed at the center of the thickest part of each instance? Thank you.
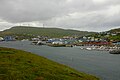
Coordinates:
(116, 43)
(9, 38)
(58, 42)
(1, 38)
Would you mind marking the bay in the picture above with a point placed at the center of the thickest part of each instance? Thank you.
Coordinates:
(99, 63)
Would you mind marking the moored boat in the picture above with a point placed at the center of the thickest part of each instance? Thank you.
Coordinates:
(117, 51)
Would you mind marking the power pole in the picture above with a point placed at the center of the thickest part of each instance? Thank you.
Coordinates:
(43, 25)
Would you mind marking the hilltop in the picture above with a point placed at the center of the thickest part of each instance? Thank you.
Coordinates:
(21, 65)
(50, 32)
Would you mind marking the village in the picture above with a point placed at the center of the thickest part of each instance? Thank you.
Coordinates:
(84, 42)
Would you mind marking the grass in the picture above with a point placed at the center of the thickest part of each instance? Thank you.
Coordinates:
(50, 32)
(21, 65)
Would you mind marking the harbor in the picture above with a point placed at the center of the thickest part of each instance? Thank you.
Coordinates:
(99, 63)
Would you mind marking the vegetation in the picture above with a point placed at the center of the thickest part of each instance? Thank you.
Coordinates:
(35, 31)
(117, 36)
(114, 30)
(111, 35)
(21, 65)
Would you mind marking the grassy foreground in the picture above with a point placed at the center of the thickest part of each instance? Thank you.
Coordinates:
(21, 65)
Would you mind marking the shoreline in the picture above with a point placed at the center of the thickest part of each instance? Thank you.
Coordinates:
(98, 63)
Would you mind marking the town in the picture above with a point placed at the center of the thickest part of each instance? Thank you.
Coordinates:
(99, 41)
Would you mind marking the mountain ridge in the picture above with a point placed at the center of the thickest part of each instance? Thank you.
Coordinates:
(51, 32)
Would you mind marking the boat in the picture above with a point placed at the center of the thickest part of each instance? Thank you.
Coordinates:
(38, 43)
(89, 48)
(117, 51)
(57, 45)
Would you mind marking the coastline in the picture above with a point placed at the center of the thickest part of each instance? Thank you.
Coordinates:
(98, 63)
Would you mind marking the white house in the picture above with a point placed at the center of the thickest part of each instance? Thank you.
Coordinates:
(1, 39)
(57, 42)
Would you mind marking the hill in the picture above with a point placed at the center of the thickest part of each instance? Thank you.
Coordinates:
(21, 65)
(115, 34)
(117, 30)
(111, 35)
(50, 32)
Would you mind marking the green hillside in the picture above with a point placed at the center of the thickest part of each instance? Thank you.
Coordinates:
(114, 37)
(50, 32)
(117, 30)
(111, 35)
(21, 65)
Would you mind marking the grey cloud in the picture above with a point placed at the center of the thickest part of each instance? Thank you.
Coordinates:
(29, 10)
(78, 14)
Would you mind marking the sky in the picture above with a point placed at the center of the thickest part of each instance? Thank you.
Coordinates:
(83, 15)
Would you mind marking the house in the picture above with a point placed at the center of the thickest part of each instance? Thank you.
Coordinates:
(35, 39)
(58, 42)
(116, 43)
(96, 43)
(113, 34)
(1, 38)
(53, 40)
(50, 40)
(9, 38)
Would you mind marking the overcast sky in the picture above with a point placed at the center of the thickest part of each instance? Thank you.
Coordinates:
(84, 15)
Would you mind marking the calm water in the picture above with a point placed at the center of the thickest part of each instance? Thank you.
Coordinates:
(100, 63)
